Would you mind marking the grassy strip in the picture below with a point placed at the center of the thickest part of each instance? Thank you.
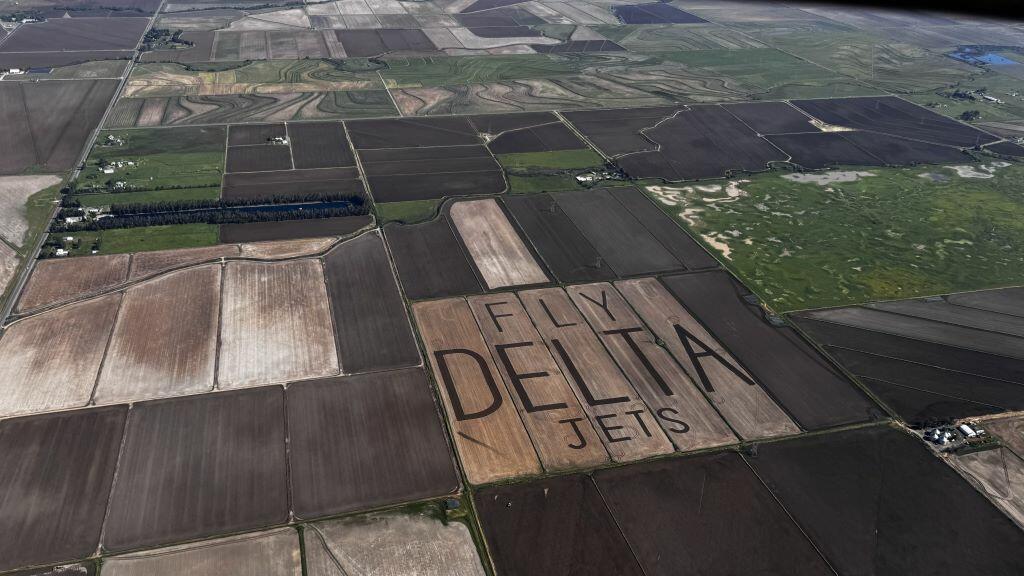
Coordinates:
(408, 212)
(148, 196)
(125, 240)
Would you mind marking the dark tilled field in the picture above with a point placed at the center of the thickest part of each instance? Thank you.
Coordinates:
(664, 229)
(396, 158)
(489, 4)
(25, 60)
(48, 122)
(200, 466)
(814, 393)
(70, 34)
(705, 515)
(292, 229)
(654, 13)
(891, 494)
(553, 526)
(704, 142)
(929, 359)
(373, 329)
(362, 442)
(431, 186)
(248, 134)
(546, 138)
(900, 151)
(497, 123)
(369, 43)
(617, 132)
(259, 158)
(1007, 149)
(412, 132)
(263, 184)
(505, 32)
(1006, 301)
(445, 159)
(55, 476)
(620, 239)
(559, 243)
(822, 149)
(320, 145)
(771, 117)
(430, 260)
(500, 17)
(896, 117)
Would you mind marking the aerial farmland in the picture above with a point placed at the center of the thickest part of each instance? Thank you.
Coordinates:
(510, 287)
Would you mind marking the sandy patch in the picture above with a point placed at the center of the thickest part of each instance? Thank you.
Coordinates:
(391, 543)
(14, 192)
(983, 171)
(8, 265)
(470, 40)
(826, 178)
(934, 176)
(829, 127)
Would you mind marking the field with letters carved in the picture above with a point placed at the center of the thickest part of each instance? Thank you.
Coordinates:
(510, 288)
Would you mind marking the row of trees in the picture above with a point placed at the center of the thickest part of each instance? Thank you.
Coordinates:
(207, 217)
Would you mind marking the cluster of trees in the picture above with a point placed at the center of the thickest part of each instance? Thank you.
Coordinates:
(222, 203)
(222, 216)
(162, 37)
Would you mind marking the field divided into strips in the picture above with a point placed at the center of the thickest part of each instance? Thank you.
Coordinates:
(165, 340)
(76, 34)
(269, 320)
(562, 433)
(948, 357)
(424, 158)
(643, 390)
(687, 418)
(337, 443)
(370, 319)
(49, 122)
(275, 324)
(274, 553)
(811, 389)
(56, 281)
(215, 464)
(630, 430)
(53, 505)
(229, 444)
(383, 540)
(744, 403)
(430, 261)
(664, 517)
(494, 246)
(697, 142)
(488, 433)
(52, 360)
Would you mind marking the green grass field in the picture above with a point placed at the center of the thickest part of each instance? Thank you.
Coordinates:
(768, 73)
(408, 212)
(148, 196)
(190, 157)
(446, 70)
(896, 234)
(125, 240)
